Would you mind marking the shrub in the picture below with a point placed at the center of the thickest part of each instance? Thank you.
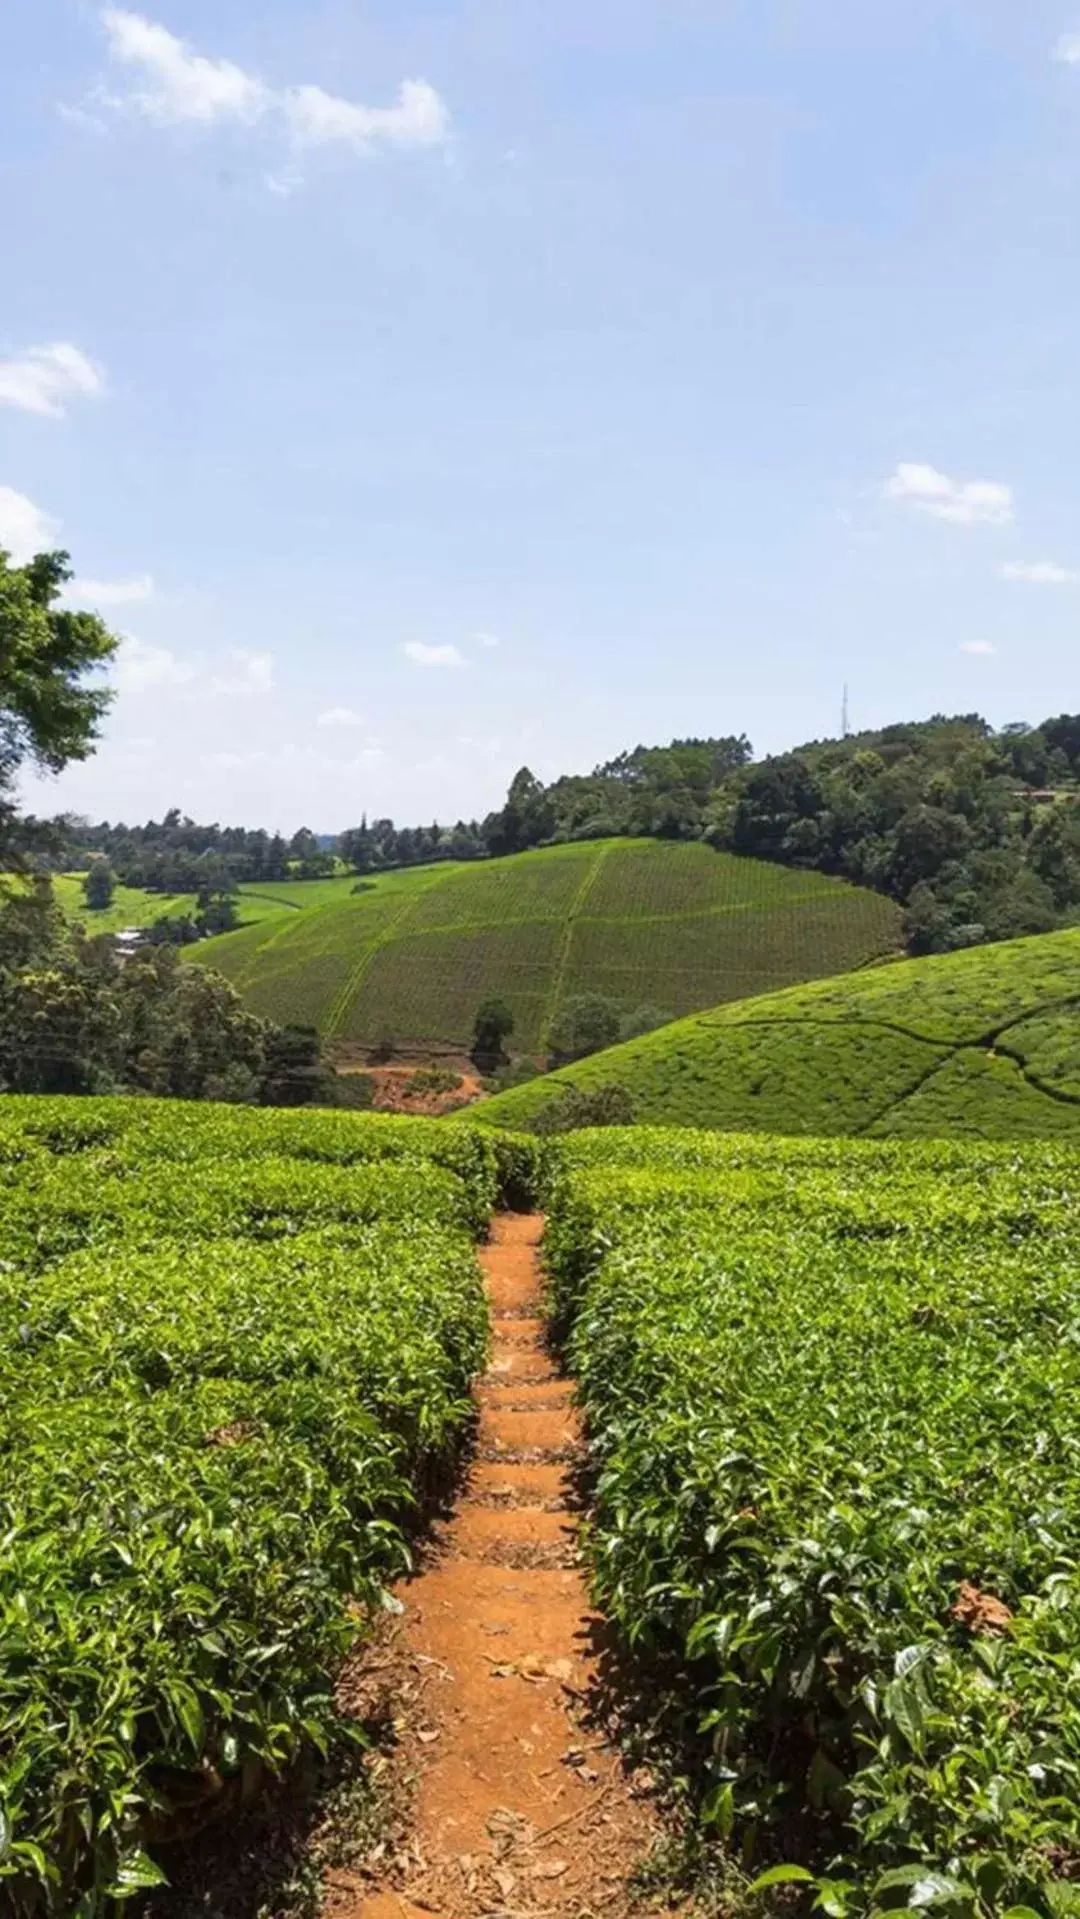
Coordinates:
(585, 1024)
(355, 1091)
(433, 1080)
(518, 1073)
(576, 1106)
(492, 1027)
(643, 1019)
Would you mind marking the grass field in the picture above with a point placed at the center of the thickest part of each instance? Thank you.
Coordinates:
(833, 1399)
(131, 906)
(675, 926)
(984, 1042)
(235, 1346)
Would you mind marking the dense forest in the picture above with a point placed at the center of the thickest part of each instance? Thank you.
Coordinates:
(175, 855)
(975, 832)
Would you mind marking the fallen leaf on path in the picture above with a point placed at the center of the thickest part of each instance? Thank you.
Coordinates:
(551, 1869)
(508, 1829)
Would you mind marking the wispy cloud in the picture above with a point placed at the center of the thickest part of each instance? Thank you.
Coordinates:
(174, 85)
(42, 379)
(966, 502)
(432, 655)
(141, 667)
(981, 647)
(245, 673)
(418, 118)
(106, 593)
(340, 716)
(1039, 573)
(487, 639)
(24, 528)
(1068, 49)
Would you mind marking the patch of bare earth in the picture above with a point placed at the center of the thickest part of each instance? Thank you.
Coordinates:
(392, 1079)
(520, 1805)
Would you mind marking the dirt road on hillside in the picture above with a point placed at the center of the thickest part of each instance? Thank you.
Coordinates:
(520, 1806)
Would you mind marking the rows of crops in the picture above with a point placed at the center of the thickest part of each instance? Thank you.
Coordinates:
(235, 1347)
(833, 1394)
(675, 926)
(985, 1042)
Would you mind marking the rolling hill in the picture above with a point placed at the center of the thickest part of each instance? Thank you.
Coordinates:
(672, 925)
(134, 906)
(984, 1042)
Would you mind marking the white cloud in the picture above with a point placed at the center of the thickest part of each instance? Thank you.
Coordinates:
(177, 85)
(246, 672)
(42, 378)
(1039, 573)
(1068, 49)
(981, 647)
(967, 502)
(340, 716)
(100, 593)
(487, 639)
(418, 119)
(432, 655)
(140, 667)
(24, 528)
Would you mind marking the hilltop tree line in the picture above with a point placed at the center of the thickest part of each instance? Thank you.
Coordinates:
(176, 855)
(975, 833)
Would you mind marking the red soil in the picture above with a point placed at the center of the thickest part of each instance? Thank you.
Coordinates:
(519, 1807)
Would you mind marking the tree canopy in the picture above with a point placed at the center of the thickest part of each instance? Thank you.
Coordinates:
(51, 707)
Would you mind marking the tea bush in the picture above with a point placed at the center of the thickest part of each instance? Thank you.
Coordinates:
(833, 1397)
(235, 1347)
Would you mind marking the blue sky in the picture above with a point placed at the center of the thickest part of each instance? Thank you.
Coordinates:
(427, 388)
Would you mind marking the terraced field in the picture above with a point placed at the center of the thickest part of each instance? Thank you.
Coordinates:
(984, 1043)
(674, 926)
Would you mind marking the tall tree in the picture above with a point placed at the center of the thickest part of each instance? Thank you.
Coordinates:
(50, 706)
(99, 886)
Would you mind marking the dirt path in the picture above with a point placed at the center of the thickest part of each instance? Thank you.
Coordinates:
(519, 1806)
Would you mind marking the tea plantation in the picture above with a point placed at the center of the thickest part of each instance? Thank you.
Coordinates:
(672, 925)
(984, 1042)
(833, 1397)
(236, 1348)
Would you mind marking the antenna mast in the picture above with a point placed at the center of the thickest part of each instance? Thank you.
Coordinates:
(844, 727)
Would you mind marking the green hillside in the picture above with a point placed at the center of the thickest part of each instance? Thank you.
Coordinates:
(984, 1042)
(675, 926)
(135, 906)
